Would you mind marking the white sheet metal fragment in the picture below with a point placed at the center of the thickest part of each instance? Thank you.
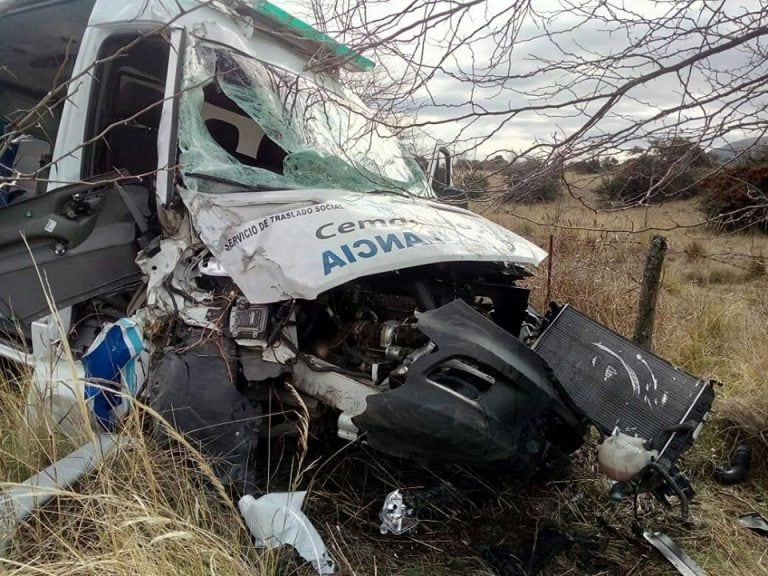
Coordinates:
(276, 519)
(630, 372)
(673, 553)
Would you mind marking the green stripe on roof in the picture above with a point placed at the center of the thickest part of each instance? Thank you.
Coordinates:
(304, 30)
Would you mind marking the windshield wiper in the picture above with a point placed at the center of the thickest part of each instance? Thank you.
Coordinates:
(227, 181)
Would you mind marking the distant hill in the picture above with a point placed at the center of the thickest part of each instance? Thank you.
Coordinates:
(733, 149)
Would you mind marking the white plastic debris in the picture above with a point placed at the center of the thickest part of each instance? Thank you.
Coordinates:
(276, 519)
(18, 502)
(396, 516)
(622, 456)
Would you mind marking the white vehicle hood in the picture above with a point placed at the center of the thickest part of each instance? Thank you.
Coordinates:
(299, 243)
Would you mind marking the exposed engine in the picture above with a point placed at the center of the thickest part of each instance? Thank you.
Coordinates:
(369, 326)
(442, 362)
(440, 349)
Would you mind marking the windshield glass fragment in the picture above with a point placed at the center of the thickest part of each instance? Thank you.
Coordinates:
(253, 125)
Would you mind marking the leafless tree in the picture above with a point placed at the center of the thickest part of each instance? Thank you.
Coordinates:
(564, 79)
(558, 80)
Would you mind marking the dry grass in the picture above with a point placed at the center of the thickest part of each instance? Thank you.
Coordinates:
(144, 511)
(154, 511)
(695, 251)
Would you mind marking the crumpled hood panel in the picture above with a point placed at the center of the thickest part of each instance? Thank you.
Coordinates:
(299, 243)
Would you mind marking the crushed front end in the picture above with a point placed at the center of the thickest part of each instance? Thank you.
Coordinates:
(473, 394)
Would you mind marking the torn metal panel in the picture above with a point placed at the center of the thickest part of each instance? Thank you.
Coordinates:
(114, 370)
(100, 386)
(672, 552)
(306, 250)
(276, 519)
(169, 274)
(16, 355)
(20, 501)
(755, 522)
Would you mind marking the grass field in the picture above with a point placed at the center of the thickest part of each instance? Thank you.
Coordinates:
(157, 511)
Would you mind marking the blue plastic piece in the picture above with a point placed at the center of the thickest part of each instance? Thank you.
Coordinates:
(111, 363)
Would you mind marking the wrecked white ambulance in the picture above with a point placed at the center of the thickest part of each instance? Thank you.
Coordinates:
(221, 221)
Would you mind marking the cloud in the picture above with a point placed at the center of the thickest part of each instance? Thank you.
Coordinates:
(527, 73)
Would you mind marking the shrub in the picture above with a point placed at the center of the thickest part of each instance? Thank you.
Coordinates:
(532, 181)
(589, 166)
(474, 182)
(649, 179)
(737, 198)
(666, 171)
(695, 251)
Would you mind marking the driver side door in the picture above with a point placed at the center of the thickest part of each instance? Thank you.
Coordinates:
(77, 241)
(80, 240)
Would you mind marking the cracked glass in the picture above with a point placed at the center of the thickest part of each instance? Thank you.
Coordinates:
(246, 125)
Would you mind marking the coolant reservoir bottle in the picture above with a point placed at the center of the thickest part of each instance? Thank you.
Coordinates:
(621, 456)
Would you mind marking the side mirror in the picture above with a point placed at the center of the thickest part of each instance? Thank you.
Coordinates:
(441, 170)
(454, 197)
(447, 166)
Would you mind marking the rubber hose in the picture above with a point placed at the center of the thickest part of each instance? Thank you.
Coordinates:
(739, 467)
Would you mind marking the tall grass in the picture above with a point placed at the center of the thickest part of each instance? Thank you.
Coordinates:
(145, 510)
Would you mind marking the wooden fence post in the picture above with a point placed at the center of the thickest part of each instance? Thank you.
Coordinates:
(649, 292)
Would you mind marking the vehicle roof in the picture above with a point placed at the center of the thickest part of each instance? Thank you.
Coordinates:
(38, 43)
(58, 18)
(301, 33)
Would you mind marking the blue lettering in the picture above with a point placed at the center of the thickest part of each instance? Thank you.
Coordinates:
(365, 248)
(411, 239)
(348, 253)
(331, 261)
(388, 241)
(372, 250)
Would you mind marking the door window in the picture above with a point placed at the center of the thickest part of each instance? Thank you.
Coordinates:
(128, 98)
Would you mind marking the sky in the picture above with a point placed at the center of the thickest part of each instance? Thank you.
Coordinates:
(571, 35)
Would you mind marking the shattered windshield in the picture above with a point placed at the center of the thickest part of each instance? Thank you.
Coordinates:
(246, 125)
